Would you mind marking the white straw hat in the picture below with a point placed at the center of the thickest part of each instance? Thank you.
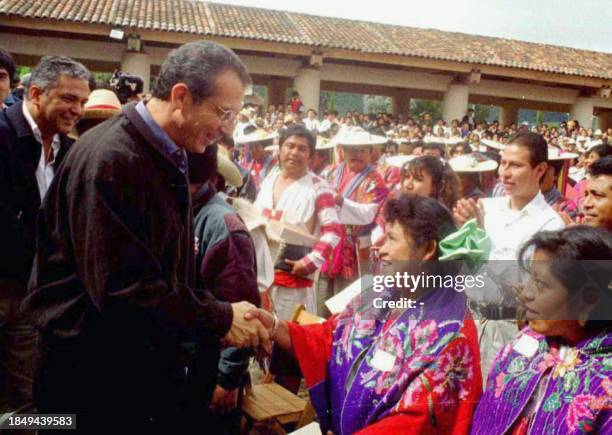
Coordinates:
(358, 137)
(492, 144)
(258, 135)
(555, 154)
(400, 160)
(469, 163)
(228, 169)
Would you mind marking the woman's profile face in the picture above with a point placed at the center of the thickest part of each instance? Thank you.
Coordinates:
(550, 311)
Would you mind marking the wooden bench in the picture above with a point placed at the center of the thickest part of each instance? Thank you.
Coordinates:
(269, 405)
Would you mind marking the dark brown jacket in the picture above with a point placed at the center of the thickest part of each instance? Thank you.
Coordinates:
(113, 284)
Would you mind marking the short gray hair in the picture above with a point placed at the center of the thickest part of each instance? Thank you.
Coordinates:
(46, 74)
(197, 64)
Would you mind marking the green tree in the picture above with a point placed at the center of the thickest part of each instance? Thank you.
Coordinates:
(482, 112)
(376, 103)
(418, 107)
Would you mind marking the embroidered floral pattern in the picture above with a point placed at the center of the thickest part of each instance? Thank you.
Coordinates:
(576, 381)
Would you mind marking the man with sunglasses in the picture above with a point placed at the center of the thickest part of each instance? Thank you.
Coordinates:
(113, 287)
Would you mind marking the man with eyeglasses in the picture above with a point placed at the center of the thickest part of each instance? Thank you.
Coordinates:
(113, 287)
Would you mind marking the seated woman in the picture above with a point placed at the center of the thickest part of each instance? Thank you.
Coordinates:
(554, 378)
(375, 369)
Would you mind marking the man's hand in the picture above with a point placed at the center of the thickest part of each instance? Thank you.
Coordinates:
(246, 331)
(339, 199)
(467, 209)
(224, 401)
(265, 317)
(298, 268)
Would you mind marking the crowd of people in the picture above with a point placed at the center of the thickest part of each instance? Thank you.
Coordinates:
(155, 248)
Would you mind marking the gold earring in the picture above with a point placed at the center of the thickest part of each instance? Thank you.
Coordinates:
(582, 320)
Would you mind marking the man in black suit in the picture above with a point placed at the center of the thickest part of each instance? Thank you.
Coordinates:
(33, 142)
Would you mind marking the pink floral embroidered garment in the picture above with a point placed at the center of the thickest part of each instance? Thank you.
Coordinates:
(546, 388)
(379, 371)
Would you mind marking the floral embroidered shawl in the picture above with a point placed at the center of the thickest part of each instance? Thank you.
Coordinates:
(435, 380)
(578, 391)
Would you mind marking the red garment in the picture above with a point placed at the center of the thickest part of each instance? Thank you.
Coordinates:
(295, 104)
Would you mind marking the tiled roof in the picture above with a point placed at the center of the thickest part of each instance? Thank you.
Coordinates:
(213, 19)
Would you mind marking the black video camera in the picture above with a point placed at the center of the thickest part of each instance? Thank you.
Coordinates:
(126, 85)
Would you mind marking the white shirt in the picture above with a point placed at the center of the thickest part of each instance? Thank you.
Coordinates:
(325, 125)
(312, 124)
(44, 171)
(508, 230)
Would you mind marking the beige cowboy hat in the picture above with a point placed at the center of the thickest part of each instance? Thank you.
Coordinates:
(358, 137)
(594, 143)
(469, 163)
(453, 140)
(259, 135)
(493, 144)
(434, 139)
(399, 160)
(556, 154)
(228, 169)
(102, 104)
(324, 143)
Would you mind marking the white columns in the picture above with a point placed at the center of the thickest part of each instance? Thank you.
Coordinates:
(582, 111)
(137, 63)
(455, 102)
(400, 103)
(308, 83)
(508, 114)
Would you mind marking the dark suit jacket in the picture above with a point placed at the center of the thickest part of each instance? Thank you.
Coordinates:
(19, 195)
(113, 282)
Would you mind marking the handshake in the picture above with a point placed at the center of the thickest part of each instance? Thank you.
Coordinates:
(251, 327)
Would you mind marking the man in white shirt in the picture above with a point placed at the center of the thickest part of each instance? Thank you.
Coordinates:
(33, 141)
(330, 118)
(509, 222)
(297, 196)
(311, 122)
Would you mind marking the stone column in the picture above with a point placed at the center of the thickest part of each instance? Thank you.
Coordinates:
(582, 111)
(137, 63)
(308, 83)
(400, 103)
(277, 91)
(508, 114)
(455, 102)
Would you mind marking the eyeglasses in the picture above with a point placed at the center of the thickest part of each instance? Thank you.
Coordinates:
(227, 116)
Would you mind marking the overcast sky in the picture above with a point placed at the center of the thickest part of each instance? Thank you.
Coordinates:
(583, 24)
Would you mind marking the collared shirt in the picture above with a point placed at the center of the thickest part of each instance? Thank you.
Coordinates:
(44, 171)
(508, 230)
(171, 149)
(312, 124)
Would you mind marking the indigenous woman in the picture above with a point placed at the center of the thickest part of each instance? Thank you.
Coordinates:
(554, 378)
(425, 176)
(378, 369)
(429, 176)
